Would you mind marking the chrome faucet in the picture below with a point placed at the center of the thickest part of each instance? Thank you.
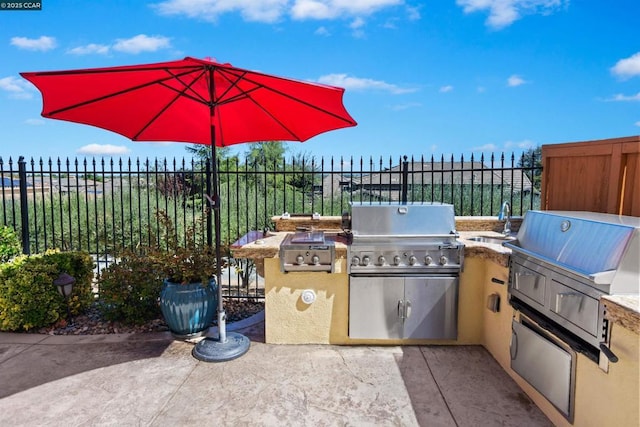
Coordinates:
(505, 214)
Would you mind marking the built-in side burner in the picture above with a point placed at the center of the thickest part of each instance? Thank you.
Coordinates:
(307, 251)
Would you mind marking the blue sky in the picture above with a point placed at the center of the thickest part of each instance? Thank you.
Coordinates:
(437, 77)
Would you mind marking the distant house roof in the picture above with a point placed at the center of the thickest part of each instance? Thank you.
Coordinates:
(388, 182)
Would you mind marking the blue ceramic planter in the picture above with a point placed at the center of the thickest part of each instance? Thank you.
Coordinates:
(188, 309)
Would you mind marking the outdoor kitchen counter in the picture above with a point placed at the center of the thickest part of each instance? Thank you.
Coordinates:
(624, 310)
(269, 246)
(621, 309)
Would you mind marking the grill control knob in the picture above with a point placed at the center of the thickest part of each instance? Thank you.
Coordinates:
(396, 260)
(428, 260)
(315, 260)
(355, 261)
(381, 260)
(300, 259)
(443, 260)
(412, 260)
(366, 260)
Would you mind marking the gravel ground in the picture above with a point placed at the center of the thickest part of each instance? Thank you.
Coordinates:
(92, 323)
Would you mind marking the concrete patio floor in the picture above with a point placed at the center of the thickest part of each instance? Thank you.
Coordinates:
(150, 379)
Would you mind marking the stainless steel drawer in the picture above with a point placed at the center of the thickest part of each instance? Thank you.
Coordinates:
(529, 283)
(574, 306)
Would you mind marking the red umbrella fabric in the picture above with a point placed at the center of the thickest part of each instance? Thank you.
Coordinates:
(195, 101)
(184, 100)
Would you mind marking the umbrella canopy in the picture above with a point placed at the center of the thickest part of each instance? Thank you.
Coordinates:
(192, 100)
(195, 101)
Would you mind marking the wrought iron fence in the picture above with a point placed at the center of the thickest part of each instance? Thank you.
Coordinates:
(102, 205)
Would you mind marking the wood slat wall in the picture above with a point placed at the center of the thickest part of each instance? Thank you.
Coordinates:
(598, 176)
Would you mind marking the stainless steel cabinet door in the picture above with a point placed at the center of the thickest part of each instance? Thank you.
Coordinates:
(374, 304)
(545, 365)
(431, 308)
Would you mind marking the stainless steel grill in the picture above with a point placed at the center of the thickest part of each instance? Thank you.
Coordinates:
(564, 262)
(404, 239)
(404, 266)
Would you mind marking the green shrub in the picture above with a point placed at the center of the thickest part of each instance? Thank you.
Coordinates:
(28, 297)
(10, 245)
(129, 290)
(79, 265)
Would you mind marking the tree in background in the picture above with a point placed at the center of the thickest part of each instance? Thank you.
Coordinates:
(268, 155)
(305, 168)
(531, 163)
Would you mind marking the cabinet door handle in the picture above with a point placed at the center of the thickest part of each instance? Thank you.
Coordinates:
(401, 309)
(407, 309)
(527, 274)
(563, 295)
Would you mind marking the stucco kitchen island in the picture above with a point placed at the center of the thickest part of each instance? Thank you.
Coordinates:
(607, 396)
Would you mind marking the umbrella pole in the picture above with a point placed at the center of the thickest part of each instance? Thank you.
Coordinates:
(235, 345)
(222, 315)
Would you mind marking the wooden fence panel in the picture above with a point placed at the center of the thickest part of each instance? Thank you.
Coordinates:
(597, 176)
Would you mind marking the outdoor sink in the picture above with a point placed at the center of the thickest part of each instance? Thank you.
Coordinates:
(495, 240)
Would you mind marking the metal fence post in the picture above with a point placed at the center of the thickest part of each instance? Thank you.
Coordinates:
(405, 179)
(24, 206)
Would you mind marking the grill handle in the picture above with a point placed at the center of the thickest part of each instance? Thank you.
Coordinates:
(608, 353)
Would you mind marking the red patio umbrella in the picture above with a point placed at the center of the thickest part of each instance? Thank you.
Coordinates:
(195, 101)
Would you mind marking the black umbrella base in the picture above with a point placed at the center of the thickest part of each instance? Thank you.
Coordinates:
(212, 350)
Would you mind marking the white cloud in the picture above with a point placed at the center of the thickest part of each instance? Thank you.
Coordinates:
(414, 13)
(356, 83)
(481, 89)
(408, 105)
(322, 31)
(88, 49)
(503, 13)
(210, 10)
(103, 149)
(445, 89)
(17, 88)
(357, 23)
(638, 123)
(331, 9)
(270, 11)
(34, 122)
(515, 80)
(43, 43)
(142, 43)
(627, 67)
(523, 145)
(357, 26)
(621, 97)
(485, 147)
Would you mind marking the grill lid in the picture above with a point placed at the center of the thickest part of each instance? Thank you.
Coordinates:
(604, 248)
(400, 220)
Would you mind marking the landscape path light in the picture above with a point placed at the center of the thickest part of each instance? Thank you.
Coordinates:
(65, 283)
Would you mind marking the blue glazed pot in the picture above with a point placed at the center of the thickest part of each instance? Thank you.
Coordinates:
(188, 309)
